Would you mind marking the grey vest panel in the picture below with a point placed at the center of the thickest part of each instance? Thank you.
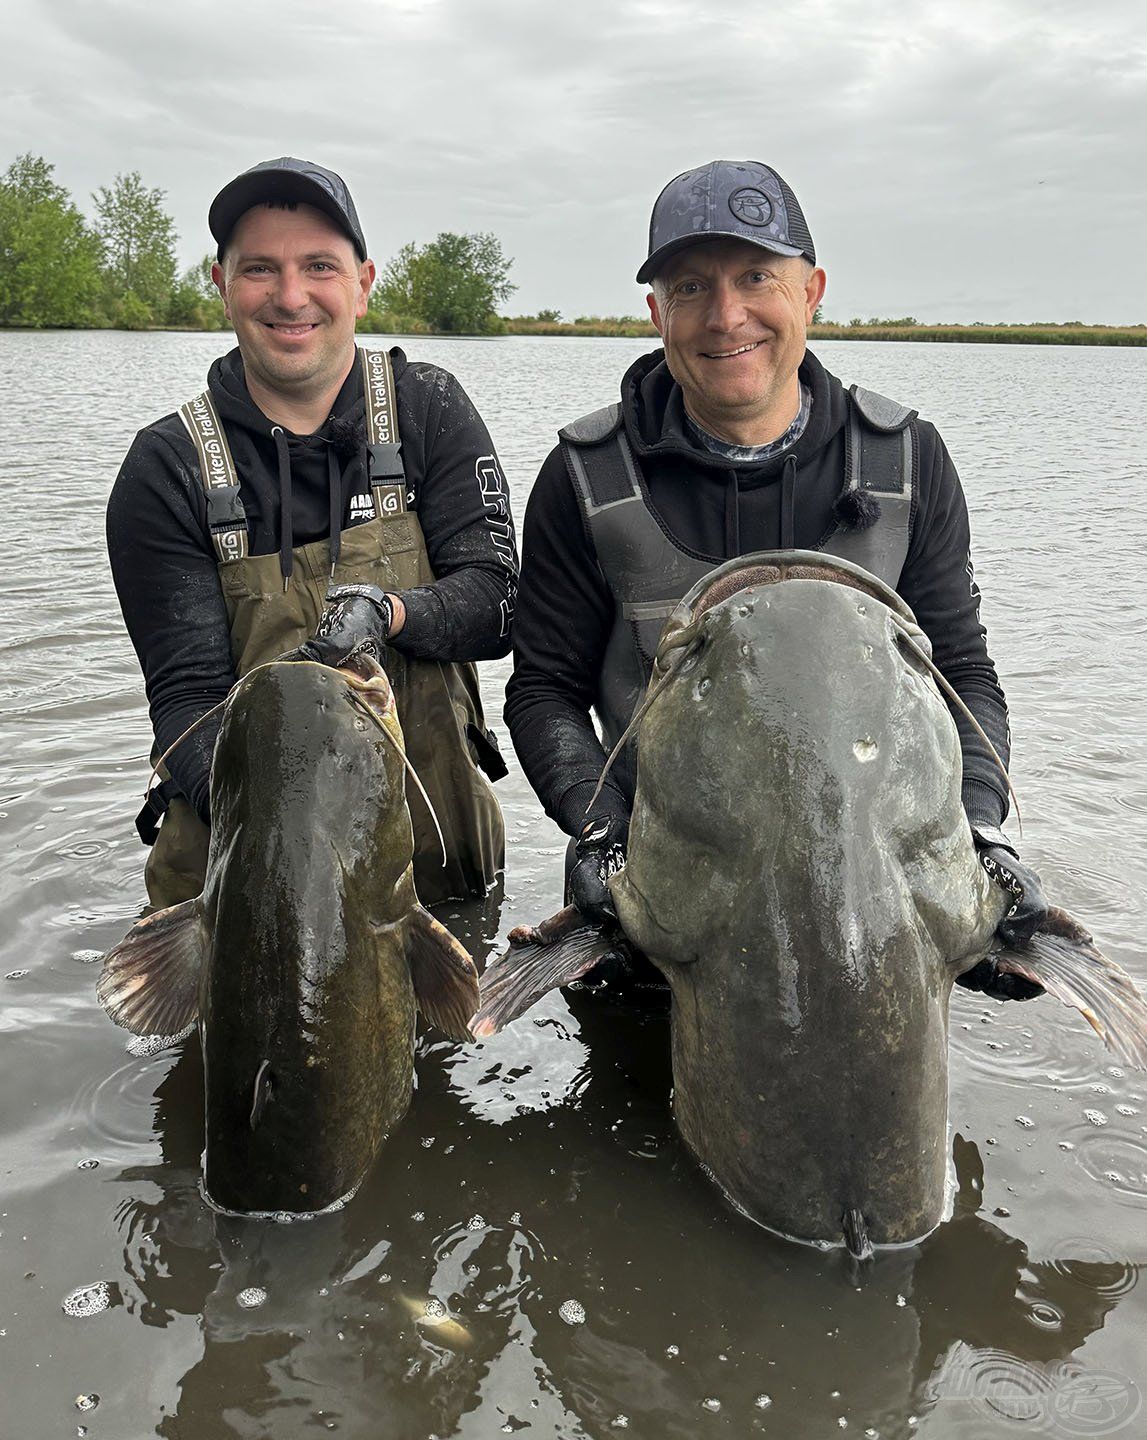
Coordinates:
(648, 572)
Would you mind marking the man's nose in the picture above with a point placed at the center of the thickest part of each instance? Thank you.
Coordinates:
(290, 292)
(726, 308)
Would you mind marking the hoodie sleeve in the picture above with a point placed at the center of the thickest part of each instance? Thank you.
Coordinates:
(565, 614)
(168, 586)
(464, 511)
(939, 583)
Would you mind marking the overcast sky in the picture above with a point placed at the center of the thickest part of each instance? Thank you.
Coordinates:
(956, 160)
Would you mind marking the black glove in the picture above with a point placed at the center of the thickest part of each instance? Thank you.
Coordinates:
(357, 617)
(600, 852)
(1029, 908)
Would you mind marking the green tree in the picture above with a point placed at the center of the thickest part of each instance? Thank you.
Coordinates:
(454, 284)
(138, 237)
(49, 259)
(195, 302)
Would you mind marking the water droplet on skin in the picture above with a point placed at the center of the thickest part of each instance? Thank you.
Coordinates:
(87, 1300)
(571, 1312)
(1095, 1117)
(251, 1298)
(865, 750)
(1026, 1121)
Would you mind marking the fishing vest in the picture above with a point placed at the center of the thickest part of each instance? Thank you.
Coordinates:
(439, 704)
(648, 572)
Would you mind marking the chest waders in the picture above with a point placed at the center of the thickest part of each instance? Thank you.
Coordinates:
(648, 572)
(439, 704)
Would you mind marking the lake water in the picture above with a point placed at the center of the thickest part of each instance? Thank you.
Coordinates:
(542, 1167)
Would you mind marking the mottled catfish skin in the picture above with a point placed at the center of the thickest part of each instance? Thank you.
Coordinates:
(306, 946)
(801, 870)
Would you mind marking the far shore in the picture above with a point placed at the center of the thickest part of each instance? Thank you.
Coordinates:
(631, 327)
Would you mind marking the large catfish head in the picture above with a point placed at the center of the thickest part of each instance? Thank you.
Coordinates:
(801, 869)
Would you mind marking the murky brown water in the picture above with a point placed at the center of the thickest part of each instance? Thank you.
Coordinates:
(542, 1168)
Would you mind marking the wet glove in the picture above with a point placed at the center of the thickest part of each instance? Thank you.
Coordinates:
(357, 617)
(600, 853)
(998, 857)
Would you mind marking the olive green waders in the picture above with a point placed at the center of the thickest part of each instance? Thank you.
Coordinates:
(438, 704)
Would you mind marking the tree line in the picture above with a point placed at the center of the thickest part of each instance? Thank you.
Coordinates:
(119, 269)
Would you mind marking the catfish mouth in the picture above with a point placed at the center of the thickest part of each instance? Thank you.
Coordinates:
(765, 568)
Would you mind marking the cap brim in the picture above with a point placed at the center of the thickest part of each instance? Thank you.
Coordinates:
(257, 187)
(671, 247)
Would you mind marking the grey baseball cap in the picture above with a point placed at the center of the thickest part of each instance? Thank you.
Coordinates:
(285, 179)
(737, 199)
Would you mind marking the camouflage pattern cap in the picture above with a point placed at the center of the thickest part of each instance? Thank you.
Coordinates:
(285, 179)
(737, 199)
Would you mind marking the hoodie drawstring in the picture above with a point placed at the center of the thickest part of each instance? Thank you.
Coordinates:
(286, 523)
(788, 504)
(732, 516)
(335, 487)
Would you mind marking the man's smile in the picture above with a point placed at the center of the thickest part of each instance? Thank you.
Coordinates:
(729, 354)
(295, 328)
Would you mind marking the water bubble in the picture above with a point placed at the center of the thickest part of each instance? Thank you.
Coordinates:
(704, 685)
(1095, 1117)
(475, 1222)
(1026, 1121)
(418, 1215)
(87, 1164)
(16, 974)
(672, 1350)
(866, 749)
(712, 1404)
(571, 1312)
(620, 1422)
(87, 957)
(87, 1300)
(251, 1298)
(87, 1402)
(516, 1218)
(1066, 1145)
(1127, 1110)
(1101, 1089)
(762, 1402)
(435, 1309)
(427, 1141)
(901, 1301)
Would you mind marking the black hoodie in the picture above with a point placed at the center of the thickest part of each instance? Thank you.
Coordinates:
(719, 509)
(165, 569)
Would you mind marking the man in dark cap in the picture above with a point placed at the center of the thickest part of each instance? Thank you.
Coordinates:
(732, 439)
(321, 496)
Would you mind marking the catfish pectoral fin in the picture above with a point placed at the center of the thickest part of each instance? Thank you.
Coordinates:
(540, 958)
(1062, 957)
(150, 980)
(443, 974)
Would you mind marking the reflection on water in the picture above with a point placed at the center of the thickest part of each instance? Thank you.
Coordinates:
(535, 1251)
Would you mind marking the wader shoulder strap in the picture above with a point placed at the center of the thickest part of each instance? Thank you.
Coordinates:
(383, 443)
(880, 460)
(226, 518)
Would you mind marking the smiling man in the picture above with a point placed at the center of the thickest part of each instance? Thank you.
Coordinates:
(732, 439)
(316, 496)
